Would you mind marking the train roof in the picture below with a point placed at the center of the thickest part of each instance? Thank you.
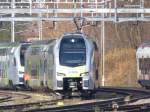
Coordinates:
(80, 34)
(38, 46)
(42, 42)
(10, 47)
(144, 50)
(6, 45)
(74, 33)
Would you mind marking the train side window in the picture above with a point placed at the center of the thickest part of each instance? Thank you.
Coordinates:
(45, 65)
(95, 46)
(53, 58)
(97, 75)
(144, 66)
(14, 61)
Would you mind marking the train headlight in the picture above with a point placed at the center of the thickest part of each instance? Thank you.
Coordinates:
(60, 74)
(85, 74)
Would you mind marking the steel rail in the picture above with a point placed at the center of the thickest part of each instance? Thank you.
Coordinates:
(5, 97)
(106, 105)
(10, 96)
(136, 94)
(77, 107)
(24, 96)
(133, 108)
(41, 103)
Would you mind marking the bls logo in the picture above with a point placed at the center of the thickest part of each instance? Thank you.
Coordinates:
(73, 72)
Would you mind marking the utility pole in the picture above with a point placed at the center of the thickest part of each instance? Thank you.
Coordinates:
(142, 7)
(103, 47)
(40, 28)
(115, 6)
(13, 22)
(30, 1)
(40, 20)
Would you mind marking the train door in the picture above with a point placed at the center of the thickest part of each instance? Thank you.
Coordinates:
(96, 64)
(14, 70)
(50, 67)
(35, 81)
(21, 61)
(12, 67)
(42, 68)
(33, 66)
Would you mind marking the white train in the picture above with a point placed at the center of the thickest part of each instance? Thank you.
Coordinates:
(12, 63)
(143, 65)
(66, 64)
(17, 63)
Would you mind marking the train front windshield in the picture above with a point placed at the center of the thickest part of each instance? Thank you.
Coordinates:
(23, 49)
(72, 51)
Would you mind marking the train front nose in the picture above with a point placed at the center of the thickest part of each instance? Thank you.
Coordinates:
(73, 78)
(72, 83)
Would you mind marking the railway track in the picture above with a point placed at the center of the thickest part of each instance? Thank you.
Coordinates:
(134, 94)
(121, 101)
(4, 97)
(11, 96)
(126, 96)
(134, 108)
(24, 106)
(13, 100)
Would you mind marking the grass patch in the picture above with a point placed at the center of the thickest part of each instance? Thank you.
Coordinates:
(121, 67)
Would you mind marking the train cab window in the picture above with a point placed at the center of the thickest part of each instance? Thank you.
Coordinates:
(22, 53)
(72, 51)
